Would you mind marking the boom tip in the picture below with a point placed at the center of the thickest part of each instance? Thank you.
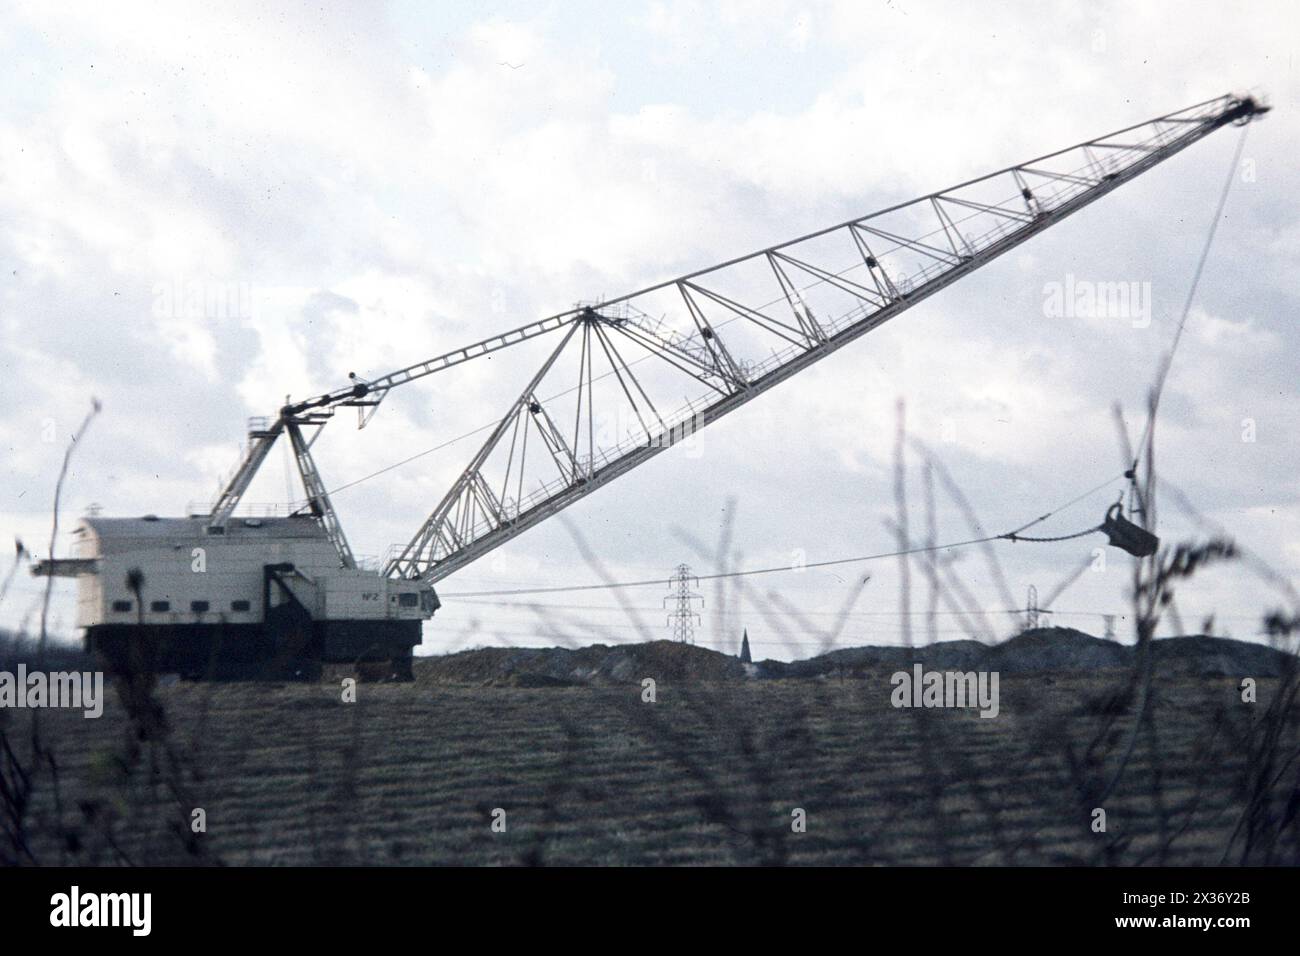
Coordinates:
(1247, 107)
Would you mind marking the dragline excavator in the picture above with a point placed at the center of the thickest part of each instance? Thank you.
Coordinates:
(224, 594)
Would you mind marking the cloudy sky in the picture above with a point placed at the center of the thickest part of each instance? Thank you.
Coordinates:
(356, 187)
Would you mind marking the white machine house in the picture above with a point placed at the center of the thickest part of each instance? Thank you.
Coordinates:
(267, 595)
(227, 595)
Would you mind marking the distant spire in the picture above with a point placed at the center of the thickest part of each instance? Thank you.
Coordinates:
(744, 648)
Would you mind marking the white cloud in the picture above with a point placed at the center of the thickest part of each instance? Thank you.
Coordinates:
(386, 198)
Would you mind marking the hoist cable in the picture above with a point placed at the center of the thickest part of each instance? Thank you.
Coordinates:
(1187, 305)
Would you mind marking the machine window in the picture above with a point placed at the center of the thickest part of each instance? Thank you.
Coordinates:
(408, 600)
(198, 607)
(160, 605)
(120, 606)
(239, 605)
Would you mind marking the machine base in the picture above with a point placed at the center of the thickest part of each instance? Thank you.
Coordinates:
(378, 650)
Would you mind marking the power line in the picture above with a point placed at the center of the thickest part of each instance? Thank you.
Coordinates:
(1007, 536)
(548, 606)
(532, 606)
(714, 577)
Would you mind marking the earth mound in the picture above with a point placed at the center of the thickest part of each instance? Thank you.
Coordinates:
(560, 666)
(1057, 650)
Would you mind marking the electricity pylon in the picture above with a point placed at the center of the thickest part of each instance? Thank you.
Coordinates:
(683, 617)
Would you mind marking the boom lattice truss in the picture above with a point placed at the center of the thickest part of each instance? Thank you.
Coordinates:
(631, 376)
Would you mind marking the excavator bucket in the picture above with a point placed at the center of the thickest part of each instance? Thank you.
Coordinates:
(1126, 535)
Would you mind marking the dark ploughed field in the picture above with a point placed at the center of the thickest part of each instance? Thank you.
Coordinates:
(709, 773)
